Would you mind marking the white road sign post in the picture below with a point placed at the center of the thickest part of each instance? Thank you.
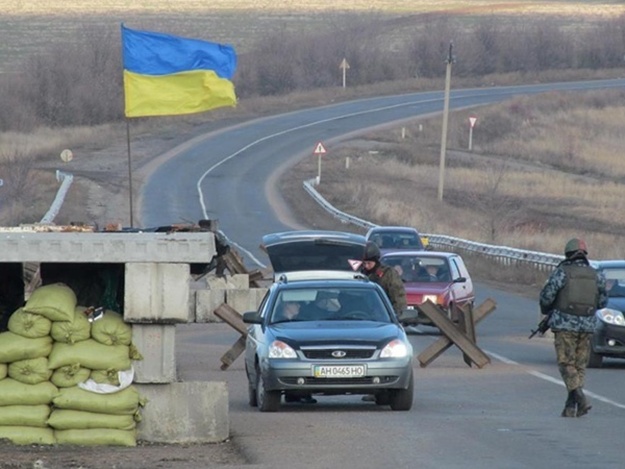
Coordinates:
(319, 151)
(344, 66)
(472, 121)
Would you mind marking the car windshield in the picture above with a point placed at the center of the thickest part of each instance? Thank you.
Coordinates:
(420, 268)
(615, 282)
(397, 240)
(329, 304)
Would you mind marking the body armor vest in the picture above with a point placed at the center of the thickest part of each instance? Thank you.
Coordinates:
(579, 295)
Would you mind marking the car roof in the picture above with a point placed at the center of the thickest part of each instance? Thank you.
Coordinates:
(302, 275)
(415, 252)
(363, 282)
(609, 264)
(391, 229)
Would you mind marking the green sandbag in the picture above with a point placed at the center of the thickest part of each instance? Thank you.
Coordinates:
(70, 375)
(22, 435)
(96, 437)
(31, 371)
(29, 324)
(126, 401)
(90, 354)
(13, 392)
(70, 332)
(4, 370)
(110, 376)
(14, 347)
(55, 301)
(111, 329)
(24, 415)
(62, 419)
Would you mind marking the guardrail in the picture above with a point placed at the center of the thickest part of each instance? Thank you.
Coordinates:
(501, 254)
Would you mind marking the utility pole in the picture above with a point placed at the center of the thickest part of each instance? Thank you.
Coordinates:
(441, 172)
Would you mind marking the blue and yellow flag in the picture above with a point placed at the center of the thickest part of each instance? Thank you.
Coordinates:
(167, 75)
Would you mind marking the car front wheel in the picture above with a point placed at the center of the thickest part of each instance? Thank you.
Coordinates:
(251, 390)
(401, 399)
(267, 401)
(594, 359)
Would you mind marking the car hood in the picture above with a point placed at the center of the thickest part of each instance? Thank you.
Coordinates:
(617, 303)
(331, 332)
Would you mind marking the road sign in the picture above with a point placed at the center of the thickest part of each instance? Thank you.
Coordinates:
(320, 149)
(67, 155)
(472, 121)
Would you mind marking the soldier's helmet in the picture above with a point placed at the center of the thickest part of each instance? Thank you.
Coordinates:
(372, 252)
(575, 245)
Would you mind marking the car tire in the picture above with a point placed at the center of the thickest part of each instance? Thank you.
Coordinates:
(267, 401)
(251, 390)
(383, 398)
(401, 399)
(594, 359)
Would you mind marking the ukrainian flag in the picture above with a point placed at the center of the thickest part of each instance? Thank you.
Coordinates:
(168, 75)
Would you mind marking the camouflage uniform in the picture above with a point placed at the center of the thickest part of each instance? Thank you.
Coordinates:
(572, 332)
(391, 283)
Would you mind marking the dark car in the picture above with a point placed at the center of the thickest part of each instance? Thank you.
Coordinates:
(608, 339)
(441, 277)
(395, 238)
(344, 338)
(291, 251)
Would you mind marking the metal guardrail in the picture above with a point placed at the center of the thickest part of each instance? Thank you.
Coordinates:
(66, 181)
(501, 254)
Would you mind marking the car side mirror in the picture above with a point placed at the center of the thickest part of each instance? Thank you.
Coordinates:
(460, 280)
(252, 317)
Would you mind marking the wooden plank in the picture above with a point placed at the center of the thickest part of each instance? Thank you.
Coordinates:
(465, 323)
(437, 348)
(230, 316)
(233, 353)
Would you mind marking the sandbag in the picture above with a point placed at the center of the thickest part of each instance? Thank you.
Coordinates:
(31, 371)
(55, 301)
(90, 354)
(14, 347)
(70, 375)
(111, 329)
(13, 392)
(29, 324)
(63, 419)
(4, 370)
(126, 401)
(24, 415)
(70, 332)
(96, 437)
(110, 376)
(23, 435)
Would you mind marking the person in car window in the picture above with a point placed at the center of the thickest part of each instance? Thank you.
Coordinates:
(290, 310)
(385, 276)
(432, 271)
(570, 297)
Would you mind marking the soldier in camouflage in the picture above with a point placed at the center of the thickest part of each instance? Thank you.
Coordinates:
(385, 276)
(572, 294)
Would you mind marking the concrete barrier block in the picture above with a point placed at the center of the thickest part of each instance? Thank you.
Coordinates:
(156, 293)
(185, 412)
(245, 299)
(157, 344)
(228, 281)
(206, 301)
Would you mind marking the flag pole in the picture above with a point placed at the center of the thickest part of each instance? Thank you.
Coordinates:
(129, 171)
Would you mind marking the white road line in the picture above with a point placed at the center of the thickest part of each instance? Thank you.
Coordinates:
(550, 379)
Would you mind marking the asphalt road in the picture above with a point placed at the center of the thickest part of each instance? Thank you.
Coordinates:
(505, 415)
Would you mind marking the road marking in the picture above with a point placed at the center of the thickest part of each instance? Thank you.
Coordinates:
(553, 380)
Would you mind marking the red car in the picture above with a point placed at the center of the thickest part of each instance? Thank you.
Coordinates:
(441, 277)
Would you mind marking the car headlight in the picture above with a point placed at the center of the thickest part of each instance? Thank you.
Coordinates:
(611, 316)
(394, 349)
(279, 349)
(432, 298)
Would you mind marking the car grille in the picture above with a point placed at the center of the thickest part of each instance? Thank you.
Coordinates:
(310, 381)
(326, 353)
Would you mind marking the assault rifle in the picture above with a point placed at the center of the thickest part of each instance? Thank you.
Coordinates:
(543, 326)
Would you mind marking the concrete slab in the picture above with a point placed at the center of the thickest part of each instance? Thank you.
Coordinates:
(186, 412)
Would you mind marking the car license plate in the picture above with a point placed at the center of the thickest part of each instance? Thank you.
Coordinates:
(340, 371)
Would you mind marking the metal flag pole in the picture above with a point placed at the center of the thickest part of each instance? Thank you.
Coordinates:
(129, 171)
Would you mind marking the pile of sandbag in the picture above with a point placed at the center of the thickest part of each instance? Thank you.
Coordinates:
(64, 379)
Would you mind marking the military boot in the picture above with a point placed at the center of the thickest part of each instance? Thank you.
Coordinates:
(583, 406)
(570, 405)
